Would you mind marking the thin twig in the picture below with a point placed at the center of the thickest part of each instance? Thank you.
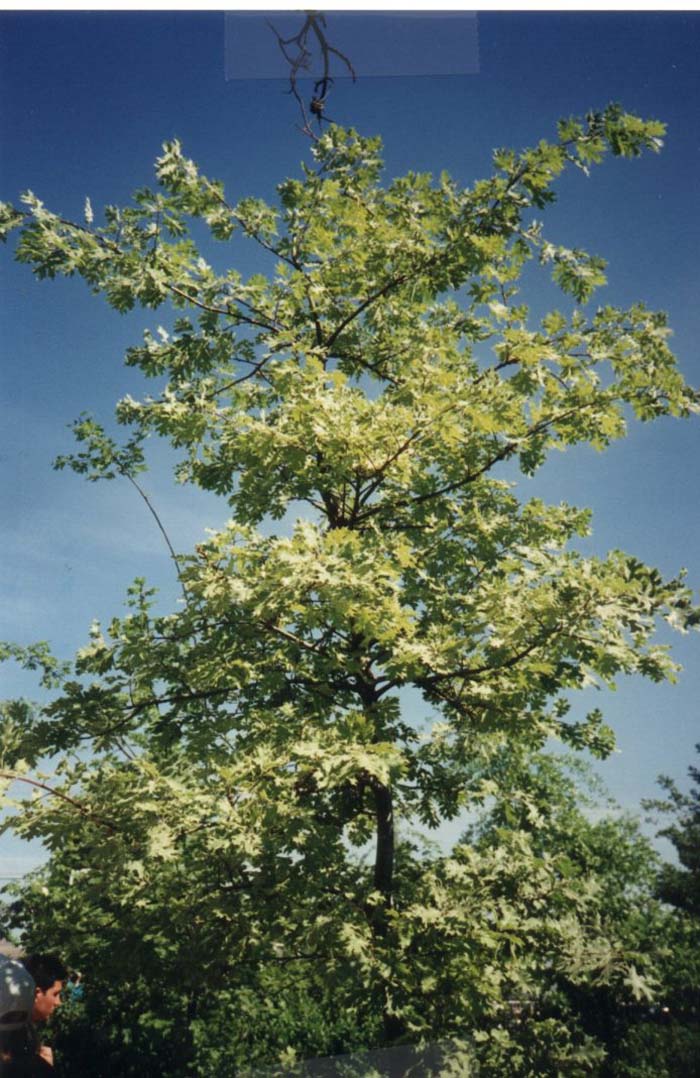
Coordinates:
(161, 526)
(63, 797)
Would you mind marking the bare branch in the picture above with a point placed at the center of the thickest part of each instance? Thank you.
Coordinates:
(161, 527)
(298, 55)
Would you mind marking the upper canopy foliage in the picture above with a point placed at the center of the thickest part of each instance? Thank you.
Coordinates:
(356, 379)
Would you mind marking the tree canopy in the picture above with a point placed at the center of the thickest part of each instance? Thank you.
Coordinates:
(218, 771)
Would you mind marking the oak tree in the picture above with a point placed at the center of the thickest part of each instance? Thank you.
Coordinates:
(217, 771)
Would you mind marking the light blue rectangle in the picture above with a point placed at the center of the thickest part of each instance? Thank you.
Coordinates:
(377, 44)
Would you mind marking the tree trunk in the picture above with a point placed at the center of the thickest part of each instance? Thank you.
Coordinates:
(384, 883)
(384, 857)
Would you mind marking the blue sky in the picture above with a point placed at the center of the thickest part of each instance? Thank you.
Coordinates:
(87, 100)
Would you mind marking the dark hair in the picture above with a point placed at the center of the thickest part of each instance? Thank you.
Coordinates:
(46, 969)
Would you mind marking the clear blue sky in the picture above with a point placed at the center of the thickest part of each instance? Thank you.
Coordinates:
(87, 100)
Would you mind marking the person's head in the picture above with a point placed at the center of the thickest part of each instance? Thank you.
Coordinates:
(49, 975)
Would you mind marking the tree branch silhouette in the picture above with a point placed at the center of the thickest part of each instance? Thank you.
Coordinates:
(298, 52)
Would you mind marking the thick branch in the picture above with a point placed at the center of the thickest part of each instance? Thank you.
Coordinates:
(394, 282)
(506, 451)
(472, 673)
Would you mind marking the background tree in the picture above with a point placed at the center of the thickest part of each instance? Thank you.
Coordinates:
(672, 1046)
(679, 885)
(600, 989)
(216, 766)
